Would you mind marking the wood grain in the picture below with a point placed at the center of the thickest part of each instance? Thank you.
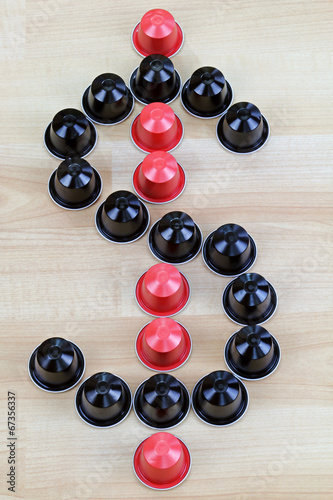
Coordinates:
(59, 277)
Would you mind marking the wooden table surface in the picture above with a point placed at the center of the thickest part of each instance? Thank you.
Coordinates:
(60, 278)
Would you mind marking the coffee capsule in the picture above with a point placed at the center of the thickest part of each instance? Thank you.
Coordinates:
(56, 365)
(162, 291)
(157, 33)
(162, 461)
(155, 80)
(159, 178)
(249, 299)
(175, 238)
(229, 251)
(252, 353)
(75, 184)
(70, 134)
(157, 128)
(220, 398)
(161, 401)
(163, 344)
(243, 129)
(207, 94)
(103, 400)
(107, 101)
(122, 218)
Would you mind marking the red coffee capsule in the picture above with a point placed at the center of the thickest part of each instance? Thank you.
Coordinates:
(163, 344)
(162, 291)
(156, 128)
(157, 33)
(162, 461)
(159, 178)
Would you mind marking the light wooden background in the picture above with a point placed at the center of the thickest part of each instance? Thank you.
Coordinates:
(59, 277)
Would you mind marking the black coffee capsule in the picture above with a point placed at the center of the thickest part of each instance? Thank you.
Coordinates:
(103, 400)
(252, 353)
(220, 398)
(107, 101)
(122, 217)
(249, 299)
(207, 94)
(175, 238)
(56, 365)
(243, 129)
(155, 80)
(161, 401)
(229, 250)
(70, 134)
(75, 184)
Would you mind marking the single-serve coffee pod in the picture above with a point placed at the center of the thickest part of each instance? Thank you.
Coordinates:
(162, 461)
(220, 398)
(103, 400)
(161, 401)
(122, 217)
(75, 184)
(107, 101)
(243, 129)
(207, 94)
(252, 353)
(157, 33)
(249, 299)
(157, 128)
(162, 290)
(229, 250)
(163, 344)
(56, 365)
(155, 80)
(159, 178)
(70, 134)
(175, 238)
